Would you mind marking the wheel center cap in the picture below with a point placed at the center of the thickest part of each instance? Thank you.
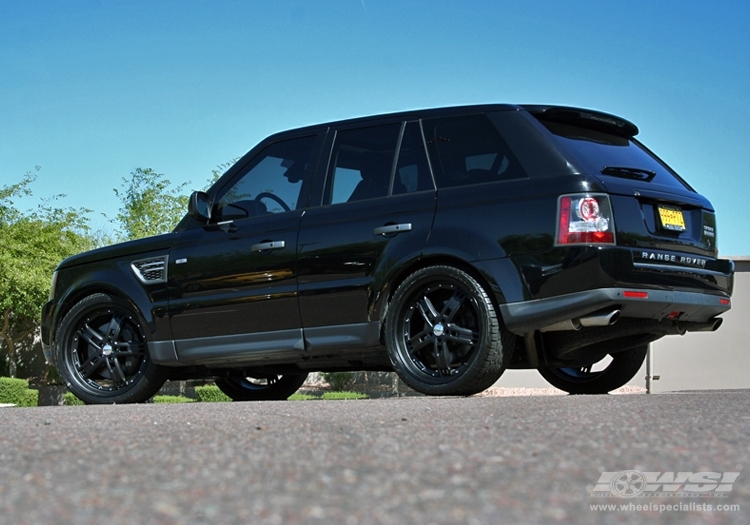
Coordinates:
(107, 349)
(438, 330)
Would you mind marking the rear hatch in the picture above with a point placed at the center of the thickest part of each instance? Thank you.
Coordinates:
(654, 208)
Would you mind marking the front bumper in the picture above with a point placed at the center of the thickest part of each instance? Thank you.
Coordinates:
(47, 342)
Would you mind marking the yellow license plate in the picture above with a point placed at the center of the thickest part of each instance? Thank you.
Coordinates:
(672, 219)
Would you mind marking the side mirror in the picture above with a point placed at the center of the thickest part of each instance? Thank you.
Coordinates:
(199, 206)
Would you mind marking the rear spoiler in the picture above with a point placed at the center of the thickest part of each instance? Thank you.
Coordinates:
(585, 118)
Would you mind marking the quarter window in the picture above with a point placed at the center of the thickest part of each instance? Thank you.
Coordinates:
(468, 149)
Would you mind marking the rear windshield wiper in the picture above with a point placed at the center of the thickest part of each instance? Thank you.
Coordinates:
(629, 173)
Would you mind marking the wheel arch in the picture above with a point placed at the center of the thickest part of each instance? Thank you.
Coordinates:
(108, 283)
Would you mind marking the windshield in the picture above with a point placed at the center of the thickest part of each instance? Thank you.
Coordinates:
(614, 156)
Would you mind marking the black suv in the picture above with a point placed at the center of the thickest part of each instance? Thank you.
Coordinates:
(445, 244)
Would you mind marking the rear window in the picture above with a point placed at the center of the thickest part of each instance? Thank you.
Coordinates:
(605, 154)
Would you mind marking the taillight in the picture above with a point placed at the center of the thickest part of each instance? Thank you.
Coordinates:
(585, 219)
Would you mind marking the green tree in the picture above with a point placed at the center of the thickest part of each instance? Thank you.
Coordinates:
(150, 206)
(219, 170)
(31, 245)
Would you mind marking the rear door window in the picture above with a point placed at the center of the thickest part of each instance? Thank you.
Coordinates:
(362, 163)
(412, 169)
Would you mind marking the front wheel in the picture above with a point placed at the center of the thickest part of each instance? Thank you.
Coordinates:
(587, 380)
(262, 387)
(102, 353)
(443, 333)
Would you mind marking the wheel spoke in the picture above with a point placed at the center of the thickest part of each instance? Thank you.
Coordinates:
(427, 309)
(452, 305)
(442, 356)
(457, 334)
(91, 365)
(133, 348)
(118, 375)
(115, 325)
(91, 336)
(420, 340)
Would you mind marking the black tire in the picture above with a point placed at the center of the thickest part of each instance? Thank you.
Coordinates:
(102, 353)
(443, 333)
(261, 388)
(582, 380)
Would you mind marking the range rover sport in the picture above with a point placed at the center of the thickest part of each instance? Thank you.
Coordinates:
(445, 244)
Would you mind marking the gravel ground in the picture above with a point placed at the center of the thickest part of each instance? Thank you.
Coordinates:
(496, 391)
(414, 460)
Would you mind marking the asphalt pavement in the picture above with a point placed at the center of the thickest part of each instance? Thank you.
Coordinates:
(416, 460)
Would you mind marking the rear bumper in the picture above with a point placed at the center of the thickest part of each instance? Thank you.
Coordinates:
(685, 307)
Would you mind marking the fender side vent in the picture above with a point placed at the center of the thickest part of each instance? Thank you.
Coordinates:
(151, 271)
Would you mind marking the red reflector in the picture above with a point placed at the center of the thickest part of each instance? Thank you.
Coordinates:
(724, 302)
(636, 295)
(674, 315)
(590, 237)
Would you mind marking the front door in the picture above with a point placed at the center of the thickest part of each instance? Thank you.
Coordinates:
(233, 282)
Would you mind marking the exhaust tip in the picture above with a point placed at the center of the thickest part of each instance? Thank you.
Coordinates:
(709, 326)
(606, 319)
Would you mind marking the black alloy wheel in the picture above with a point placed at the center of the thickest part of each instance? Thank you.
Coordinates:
(102, 353)
(443, 334)
(587, 380)
(261, 387)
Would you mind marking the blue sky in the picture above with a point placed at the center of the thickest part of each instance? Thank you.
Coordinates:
(91, 90)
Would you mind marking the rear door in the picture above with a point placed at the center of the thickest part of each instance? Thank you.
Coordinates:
(378, 203)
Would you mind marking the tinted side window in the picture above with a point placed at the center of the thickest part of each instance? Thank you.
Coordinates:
(273, 182)
(361, 163)
(468, 149)
(412, 170)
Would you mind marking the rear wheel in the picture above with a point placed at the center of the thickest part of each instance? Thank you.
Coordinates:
(103, 355)
(443, 333)
(591, 379)
(261, 387)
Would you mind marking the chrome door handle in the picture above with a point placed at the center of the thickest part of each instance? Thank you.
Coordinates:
(393, 228)
(271, 245)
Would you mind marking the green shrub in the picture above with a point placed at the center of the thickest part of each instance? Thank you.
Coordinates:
(302, 397)
(338, 381)
(30, 398)
(69, 399)
(17, 392)
(12, 389)
(210, 394)
(172, 399)
(344, 395)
